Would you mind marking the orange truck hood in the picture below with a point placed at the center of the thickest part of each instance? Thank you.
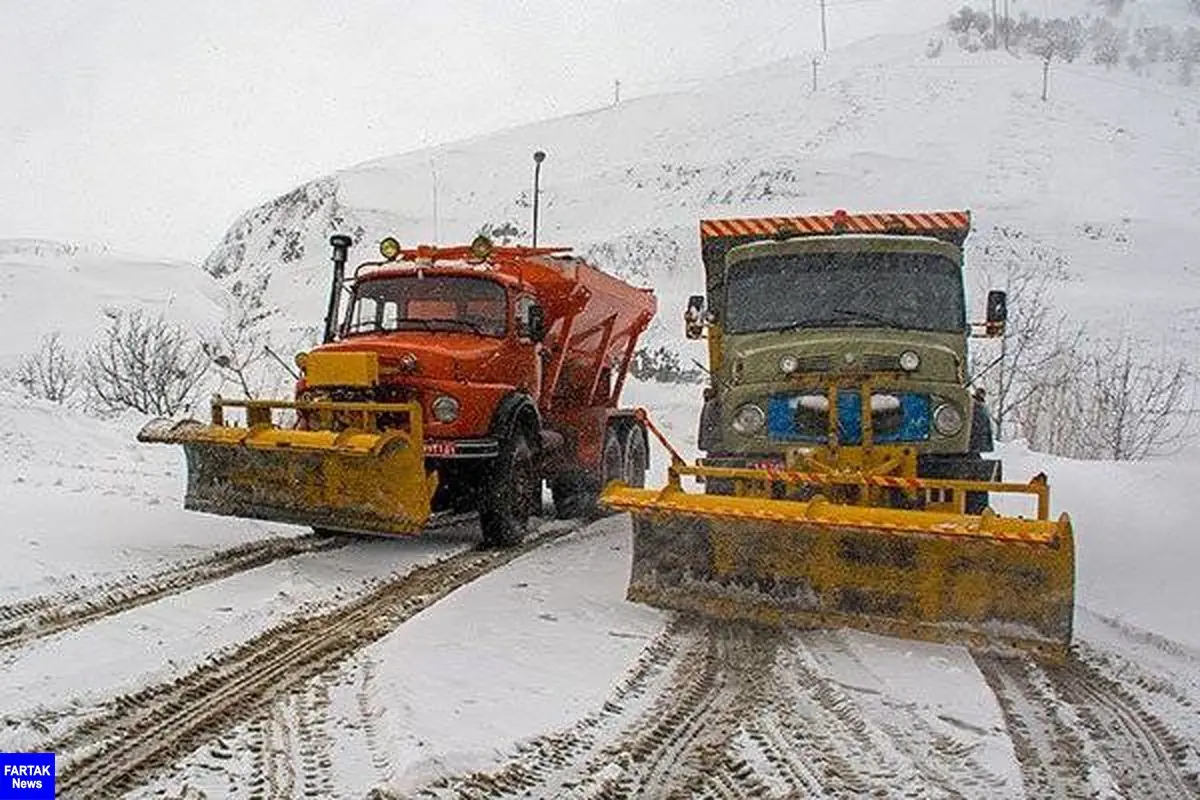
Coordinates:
(444, 355)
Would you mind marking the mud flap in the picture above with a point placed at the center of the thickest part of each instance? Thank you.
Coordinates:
(373, 482)
(992, 583)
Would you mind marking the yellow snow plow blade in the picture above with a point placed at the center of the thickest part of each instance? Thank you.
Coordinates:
(354, 479)
(1004, 584)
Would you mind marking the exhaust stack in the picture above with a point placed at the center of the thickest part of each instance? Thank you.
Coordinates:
(341, 246)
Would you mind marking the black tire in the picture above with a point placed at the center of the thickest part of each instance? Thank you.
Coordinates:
(574, 495)
(612, 458)
(981, 442)
(635, 457)
(976, 502)
(506, 502)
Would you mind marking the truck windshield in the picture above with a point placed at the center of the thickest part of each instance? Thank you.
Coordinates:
(428, 302)
(915, 291)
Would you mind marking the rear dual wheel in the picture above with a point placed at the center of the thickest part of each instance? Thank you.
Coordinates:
(624, 457)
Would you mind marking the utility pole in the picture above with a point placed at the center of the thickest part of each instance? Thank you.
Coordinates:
(824, 36)
(1007, 24)
(1045, 76)
(538, 158)
(995, 27)
(815, 62)
(437, 233)
(617, 92)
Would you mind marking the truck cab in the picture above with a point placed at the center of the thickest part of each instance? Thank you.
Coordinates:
(838, 332)
(515, 358)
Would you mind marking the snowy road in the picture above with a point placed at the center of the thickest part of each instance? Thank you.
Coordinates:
(175, 655)
(365, 698)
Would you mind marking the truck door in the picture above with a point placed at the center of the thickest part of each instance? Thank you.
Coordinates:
(530, 362)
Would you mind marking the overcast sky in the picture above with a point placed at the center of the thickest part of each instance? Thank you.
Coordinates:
(150, 125)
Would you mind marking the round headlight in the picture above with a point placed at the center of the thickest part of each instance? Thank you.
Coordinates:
(749, 419)
(947, 419)
(481, 247)
(909, 361)
(789, 364)
(389, 248)
(444, 408)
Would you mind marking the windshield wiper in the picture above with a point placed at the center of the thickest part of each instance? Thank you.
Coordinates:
(865, 315)
(469, 323)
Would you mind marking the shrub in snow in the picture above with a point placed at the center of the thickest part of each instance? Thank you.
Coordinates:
(968, 19)
(1108, 401)
(662, 365)
(1034, 336)
(51, 373)
(144, 364)
(503, 232)
(241, 345)
(1108, 42)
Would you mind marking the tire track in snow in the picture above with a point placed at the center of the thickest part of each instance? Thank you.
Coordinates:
(145, 732)
(822, 735)
(45, 615)
(668, 731)
(540, 760)
(1078, 733)
(682, 739)
(732, 712)
(1051, 752)
(1145, 758)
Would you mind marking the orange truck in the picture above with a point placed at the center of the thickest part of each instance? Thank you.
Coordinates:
(457, 378)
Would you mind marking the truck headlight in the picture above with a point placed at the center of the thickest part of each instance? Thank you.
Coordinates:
(749, 419)
(909, 361)
(444, 408)
(947, 419)
(789, 364)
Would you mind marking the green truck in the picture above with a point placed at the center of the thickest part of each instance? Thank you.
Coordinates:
(802, 311)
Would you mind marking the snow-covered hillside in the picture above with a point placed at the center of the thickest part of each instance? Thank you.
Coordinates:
(168, 654)
(1103, 173)
(53, 287)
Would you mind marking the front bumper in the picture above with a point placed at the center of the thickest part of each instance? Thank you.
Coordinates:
(461, 448)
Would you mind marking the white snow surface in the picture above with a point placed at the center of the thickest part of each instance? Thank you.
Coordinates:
(1105, 174)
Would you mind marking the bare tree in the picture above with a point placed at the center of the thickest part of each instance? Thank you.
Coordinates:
(1136, 407)
(145, 364)
(1102, 400)
(242, 341)
(1034, 336)
(50, 373)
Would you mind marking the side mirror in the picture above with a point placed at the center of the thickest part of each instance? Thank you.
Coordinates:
(693, 318)
(537, 323)
(997, 312)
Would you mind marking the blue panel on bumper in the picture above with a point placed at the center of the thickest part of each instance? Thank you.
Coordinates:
(803, 418)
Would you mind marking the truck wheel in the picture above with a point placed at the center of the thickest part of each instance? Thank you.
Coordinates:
(635, 457)
(612, 458)
(976, 502)
(506, 503)
(574, 495)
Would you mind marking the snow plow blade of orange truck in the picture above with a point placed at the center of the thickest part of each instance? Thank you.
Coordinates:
(354, 479)
(1001, 584)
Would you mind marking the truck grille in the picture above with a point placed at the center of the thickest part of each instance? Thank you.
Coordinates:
(354, 394)
(878, 362)
(895, 417)
(867, 362)
(814, 363)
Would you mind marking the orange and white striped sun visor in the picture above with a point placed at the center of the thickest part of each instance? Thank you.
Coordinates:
(928, 222)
